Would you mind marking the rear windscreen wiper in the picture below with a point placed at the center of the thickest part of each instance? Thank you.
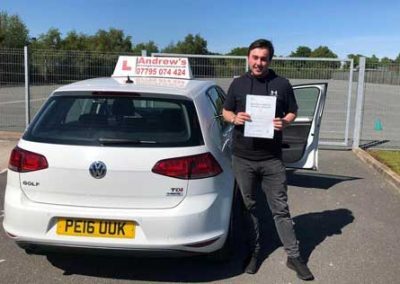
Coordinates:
(116, 141)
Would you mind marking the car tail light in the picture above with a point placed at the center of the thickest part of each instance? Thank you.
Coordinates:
(190, 167)
(25, 161)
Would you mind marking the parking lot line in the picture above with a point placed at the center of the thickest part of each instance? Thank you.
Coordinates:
(2, 260)
(21, 101)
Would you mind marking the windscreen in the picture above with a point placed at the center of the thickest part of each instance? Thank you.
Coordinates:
(116, 120)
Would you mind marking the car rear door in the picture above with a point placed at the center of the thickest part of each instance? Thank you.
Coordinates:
(300, 139)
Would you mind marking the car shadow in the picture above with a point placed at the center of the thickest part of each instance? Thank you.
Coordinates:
(162, 269)
(312, 229)
(315, 180)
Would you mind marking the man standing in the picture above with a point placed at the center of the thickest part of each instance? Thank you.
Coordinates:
(259, 160)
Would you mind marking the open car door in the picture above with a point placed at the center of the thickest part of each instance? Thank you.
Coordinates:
(300, 139)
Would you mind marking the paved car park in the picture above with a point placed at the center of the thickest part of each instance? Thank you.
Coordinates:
(346, 218)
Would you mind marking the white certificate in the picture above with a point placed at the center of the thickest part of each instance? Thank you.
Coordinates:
(262, 112)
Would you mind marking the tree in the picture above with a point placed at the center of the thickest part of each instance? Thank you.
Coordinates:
(240, 51)
(385, 61)
(190, 45)
(113, 40)
(149, 46)
(397, 60)
(301, 51)
(323, 52)
(49, 40)
(372, 62)
(75, 41)
(356, 58)
(13, 32)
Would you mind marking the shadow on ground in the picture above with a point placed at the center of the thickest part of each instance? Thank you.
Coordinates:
(315, 180)
(373, 143)
(312, 229)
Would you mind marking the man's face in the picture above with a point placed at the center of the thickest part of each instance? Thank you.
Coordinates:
(259, 61)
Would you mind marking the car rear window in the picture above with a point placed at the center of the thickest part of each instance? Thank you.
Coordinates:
(112, 119)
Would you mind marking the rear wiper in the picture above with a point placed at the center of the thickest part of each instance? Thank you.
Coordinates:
(116, 141)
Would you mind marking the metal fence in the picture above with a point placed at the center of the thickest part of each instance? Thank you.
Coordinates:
(381, 113)
(52, 68)
(12, 82)
(336, 125)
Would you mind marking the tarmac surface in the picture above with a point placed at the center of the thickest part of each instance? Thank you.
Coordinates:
(8, 141)
(346, 218)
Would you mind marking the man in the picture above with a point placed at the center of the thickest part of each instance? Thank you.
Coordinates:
(259, 160)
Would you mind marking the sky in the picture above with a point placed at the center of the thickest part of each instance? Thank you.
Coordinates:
(352, 26)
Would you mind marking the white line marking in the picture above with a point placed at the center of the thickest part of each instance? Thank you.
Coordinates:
(2, 260)
(21, 101)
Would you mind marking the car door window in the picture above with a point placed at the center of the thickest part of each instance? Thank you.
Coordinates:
(217, 98)
(307, 99)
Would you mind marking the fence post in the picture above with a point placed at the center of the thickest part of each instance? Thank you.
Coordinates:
(27, 87)
(359, 104)
(349, 91)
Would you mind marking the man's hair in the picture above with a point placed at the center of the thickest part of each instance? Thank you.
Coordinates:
(262, 43)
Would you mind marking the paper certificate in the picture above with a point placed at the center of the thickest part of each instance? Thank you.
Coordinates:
(262, 112)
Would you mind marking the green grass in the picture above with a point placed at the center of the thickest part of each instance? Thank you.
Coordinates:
(389, 158)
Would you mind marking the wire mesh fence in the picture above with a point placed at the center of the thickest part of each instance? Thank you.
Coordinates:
(52, 68)
(65, 66)
(381, 113)
(213, 66)
(335, 126)
(11, 66)
(12, 82)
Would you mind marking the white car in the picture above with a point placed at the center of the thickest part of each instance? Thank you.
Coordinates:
(135, 164)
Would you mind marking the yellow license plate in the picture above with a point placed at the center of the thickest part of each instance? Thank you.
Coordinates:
(95, 228)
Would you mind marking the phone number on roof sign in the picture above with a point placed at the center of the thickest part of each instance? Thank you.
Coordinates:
(148, 71)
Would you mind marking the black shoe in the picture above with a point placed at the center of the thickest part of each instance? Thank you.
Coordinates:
(251, 264)
(301, 268)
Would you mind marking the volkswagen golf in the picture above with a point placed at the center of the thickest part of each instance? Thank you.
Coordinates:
(136, 163)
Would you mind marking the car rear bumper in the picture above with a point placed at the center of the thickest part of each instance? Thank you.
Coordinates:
(198, 224)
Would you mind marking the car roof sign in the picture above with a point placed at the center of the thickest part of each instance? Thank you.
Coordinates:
(161, 67)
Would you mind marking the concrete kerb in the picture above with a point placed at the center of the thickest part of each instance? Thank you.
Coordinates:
(389, 175)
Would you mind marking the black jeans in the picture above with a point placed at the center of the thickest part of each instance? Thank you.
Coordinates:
(272, 174)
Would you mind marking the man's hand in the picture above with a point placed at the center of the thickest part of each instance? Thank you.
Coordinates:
(280, 123)
(241, 118)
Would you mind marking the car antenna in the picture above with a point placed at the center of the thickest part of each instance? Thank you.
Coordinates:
(128, 80)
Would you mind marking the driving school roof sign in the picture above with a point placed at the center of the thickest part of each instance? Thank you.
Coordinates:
(163, 67)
